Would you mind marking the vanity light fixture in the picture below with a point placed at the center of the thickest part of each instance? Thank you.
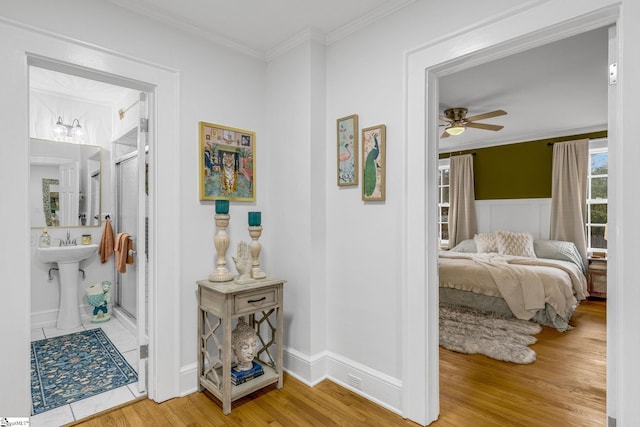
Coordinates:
(74, 130)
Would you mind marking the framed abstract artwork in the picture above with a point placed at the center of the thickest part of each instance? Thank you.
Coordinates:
(227, 163)
(347, 142)
(373, 163)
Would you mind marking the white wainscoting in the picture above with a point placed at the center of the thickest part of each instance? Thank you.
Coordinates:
(530, 215)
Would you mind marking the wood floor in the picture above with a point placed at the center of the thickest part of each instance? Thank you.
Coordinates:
(566, 386)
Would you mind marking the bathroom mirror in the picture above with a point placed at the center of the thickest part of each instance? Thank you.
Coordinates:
(65, 184)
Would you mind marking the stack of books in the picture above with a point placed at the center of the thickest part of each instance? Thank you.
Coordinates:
(239, 377)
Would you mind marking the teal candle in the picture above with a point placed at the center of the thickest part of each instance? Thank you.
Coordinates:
(222, 206)
(254, 219)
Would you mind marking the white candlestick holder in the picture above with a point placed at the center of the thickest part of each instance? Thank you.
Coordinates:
(254, 248)
(221, 242)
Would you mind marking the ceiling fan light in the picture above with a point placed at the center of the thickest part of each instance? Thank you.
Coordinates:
(454, 130)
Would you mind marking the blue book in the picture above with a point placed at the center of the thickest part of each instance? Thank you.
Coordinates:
(255, 368)
(238, 377)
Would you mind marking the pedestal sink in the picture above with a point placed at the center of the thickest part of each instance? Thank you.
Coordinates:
(68, 259)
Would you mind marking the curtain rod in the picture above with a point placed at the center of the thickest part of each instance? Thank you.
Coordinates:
(459, 154)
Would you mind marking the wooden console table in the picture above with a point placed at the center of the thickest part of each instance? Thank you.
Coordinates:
(218, 304)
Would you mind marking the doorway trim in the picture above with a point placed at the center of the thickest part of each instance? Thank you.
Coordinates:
(163, 308)
(540, 24)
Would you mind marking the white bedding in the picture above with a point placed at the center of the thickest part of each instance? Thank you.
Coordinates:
(526, 284)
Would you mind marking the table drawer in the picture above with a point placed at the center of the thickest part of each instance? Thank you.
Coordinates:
(251, 301)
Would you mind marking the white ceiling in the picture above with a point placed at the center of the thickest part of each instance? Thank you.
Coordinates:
(553, 90)
(75, 87)
(260, 27)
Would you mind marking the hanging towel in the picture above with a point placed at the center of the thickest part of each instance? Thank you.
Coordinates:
(122, 247)
(106, 243)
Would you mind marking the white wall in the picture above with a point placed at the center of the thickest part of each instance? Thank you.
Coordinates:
(365, 76)
(96, 120)
(528, 215)
(365, 252)
(296, 194)
(215, 84)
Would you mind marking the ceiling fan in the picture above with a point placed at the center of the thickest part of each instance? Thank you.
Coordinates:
(458, 121)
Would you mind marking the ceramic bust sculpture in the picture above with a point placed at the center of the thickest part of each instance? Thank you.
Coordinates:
(243, 344)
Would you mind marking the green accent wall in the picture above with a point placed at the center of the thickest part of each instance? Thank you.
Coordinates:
(516, 171)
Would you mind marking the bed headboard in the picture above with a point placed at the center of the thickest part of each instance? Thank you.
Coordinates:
(532, 215)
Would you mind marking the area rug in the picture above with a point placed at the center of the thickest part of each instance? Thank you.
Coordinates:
(468, 331)
(72, 367)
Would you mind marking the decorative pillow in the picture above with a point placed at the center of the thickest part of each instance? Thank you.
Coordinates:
(558, 249)
(467, 246)
(486, 242)
(517, 244)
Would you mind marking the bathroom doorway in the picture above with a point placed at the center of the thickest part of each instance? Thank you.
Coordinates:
(60, 92)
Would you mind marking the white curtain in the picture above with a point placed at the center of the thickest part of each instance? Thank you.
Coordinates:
(462, 200)
(569, 193)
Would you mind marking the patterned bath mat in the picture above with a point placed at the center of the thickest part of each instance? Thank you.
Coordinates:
(73, 367)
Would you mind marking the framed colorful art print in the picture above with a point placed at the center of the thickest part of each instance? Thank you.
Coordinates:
(347, 139)
(374, 163)
(227, 163)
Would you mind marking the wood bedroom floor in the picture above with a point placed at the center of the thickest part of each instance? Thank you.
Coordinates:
(566, 386)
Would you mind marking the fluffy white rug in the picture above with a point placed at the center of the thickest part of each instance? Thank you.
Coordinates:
(468, 331)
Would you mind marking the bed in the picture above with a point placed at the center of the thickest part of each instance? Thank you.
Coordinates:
(513, 275)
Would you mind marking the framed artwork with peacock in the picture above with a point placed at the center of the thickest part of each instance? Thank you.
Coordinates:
(227, 163)
(374, 166)
(347, 141)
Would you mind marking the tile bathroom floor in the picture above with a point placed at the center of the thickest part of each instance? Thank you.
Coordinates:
(125, 342)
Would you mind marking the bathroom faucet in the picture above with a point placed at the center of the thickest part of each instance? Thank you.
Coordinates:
(68, 242)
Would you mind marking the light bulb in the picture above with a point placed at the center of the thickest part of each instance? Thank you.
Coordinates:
(60, 130)
(454, 130)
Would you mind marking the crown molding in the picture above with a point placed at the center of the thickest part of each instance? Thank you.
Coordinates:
(309, 34)
(188, 26)
(374, 16)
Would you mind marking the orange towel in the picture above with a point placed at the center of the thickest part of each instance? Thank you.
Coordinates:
(106, 243)
(123, 244)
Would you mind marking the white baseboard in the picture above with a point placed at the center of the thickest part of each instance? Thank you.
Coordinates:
(374, 386)
(46, 318)
(43, 319)
(188, 379)
(311, 370)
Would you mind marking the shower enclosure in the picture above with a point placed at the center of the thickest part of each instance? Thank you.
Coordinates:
(130, 153)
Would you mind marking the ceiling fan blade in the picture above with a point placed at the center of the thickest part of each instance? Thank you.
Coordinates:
(445, 119)
(444, 135)
(484, 126)
(486, 115)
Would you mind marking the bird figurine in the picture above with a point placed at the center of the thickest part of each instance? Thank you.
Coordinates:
(370, 168)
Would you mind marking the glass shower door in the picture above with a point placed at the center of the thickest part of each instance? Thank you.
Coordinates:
(127, 222)
(132, 218)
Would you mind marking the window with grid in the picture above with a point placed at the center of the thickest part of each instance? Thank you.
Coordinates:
(597, 196)
(443, 202)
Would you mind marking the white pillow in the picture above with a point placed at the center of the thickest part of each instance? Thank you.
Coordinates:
(518, 244)
(486, 242)
(466, 246)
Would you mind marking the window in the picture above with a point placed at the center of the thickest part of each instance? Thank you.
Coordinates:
(597, 195)
(443, 202)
